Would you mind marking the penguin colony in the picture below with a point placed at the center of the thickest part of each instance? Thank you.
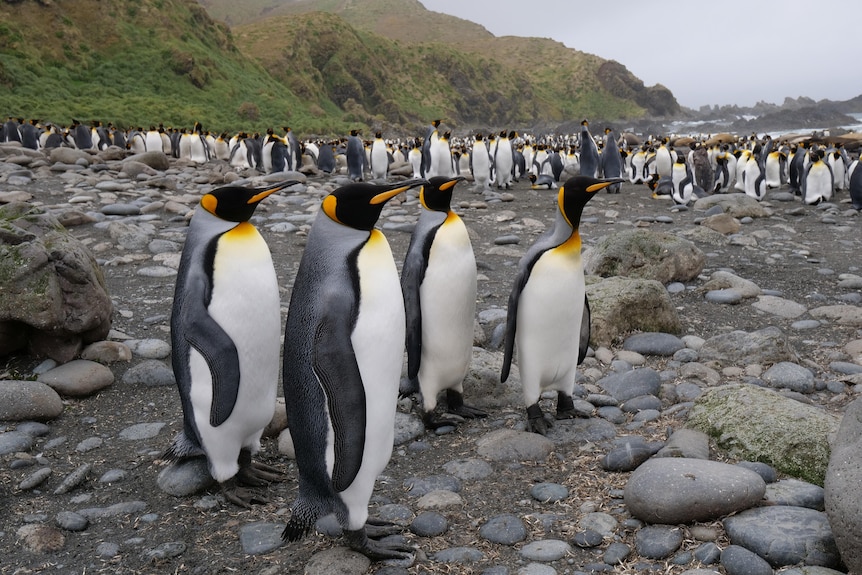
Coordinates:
(351, 315)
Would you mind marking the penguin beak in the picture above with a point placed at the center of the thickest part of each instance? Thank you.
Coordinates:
(261, 195)
(387, 195)
(451, 183)
(604, 184)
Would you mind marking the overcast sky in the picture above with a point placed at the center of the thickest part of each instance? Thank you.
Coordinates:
(704, 52)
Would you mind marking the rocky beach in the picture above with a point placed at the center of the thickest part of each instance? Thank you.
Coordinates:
(727, 348)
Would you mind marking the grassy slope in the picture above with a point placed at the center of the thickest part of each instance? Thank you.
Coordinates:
(162, 60)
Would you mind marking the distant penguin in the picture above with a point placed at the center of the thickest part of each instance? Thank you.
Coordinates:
(438, 280)
(326, 157)
(754, 178)
(153, 140)
(480, 163)
(241, 152)
(199, 152)
(504, 162)
(81, 135)
(221, 148)
(637, 173)
(294, 149)
(702, 172)
(664, 159)
(356, 160)
(11, 130)
(431, 136)
(414, 156)
(548, 315)
(773, 165)
(379, 163)
(589, 153)
(30, 133)
(725, 170)
(441, 157)
(681, 180)
(839, 168)
(612, 161)
(343, 353)
(274, 153)
(855, 185)
(742, 157)
(225, 338)
(542, 182)
(818, 183)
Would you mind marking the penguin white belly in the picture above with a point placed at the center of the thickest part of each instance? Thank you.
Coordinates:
(481, 167)
(242, 265)
(549, 324)
(185, 150)
(154, 142)
(663, 162)
(415, 157)
(379, 161)
(773, 171)
(448, 300)
(753, 188)
(818, 184)
(197, 150)
(378, 343)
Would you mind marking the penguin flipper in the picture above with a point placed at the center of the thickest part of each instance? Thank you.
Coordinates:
(204, 334)
(584, 341)
(512, 320)
(412, 274)
(335, 366)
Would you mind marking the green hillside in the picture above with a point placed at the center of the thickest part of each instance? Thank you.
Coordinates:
(320, 66)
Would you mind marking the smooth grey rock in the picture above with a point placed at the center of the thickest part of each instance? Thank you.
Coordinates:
(758, 424)
(429, 524)
(842, 496)
(600, 522)
(12, 441)
(785, 535)
(765, 346)
(722, 280)
(629, 384)
(141, 431)
(545, 550)
(150, 348)
(510, 445)
(658, 541)
(78, 378)
(686, 442)
(407, 428)
(115, 510)
(738, 560)
(185, 477)
(662, 344)
(260, 537)
(468, 469)
(795, 493)
(792, 376)
(35, 479)
(459, 555)
(150, 373)
(26, 400)
(674, 490)
(724, 296)
(417, 487)
(587, 539)
(627, 454)
(616, 553)
(71, 521)
(504, 529)
(549, 492)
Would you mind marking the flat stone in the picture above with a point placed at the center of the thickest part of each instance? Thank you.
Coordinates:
(260, 537)
(658, 541)
(785, 535)
(78, 378)
(429, 524)
(511, 445)
(545, 550)
(680, 490)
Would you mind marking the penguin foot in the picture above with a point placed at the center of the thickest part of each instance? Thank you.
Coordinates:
(241, 496)
(565, 406)
(456, 405)
(433, 421)
(537, 421)
(377, 528)
(255, 473)
(377, 550)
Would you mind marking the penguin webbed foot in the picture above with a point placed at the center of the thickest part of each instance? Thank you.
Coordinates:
(378, 550)
(565, 406)
(433, 421)
(378, 528)
(537, 421)
(456, 406)
(241, 496)
(255, 473)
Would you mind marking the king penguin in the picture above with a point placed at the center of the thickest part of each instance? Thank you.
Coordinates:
(356, 160)
(855, 185)
(818, 182)
(589, 153)
(438, 279)
(225, 328)
(343, 353)
(379, 158)
(548, 315)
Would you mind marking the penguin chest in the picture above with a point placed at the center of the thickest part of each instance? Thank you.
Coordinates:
(550, 311)
(447, 297)
(818, 184)
(245, 303)
(378, 336)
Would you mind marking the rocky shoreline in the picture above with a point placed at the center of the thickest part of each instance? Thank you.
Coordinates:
(770, 320)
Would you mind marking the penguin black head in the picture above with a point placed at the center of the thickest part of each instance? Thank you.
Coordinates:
(575, 194)
(358, 205)
(236, 203)
(436, 195)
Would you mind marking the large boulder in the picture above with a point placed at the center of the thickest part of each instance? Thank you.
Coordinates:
(621, 305)
(645, 254)
(738, 205)
(759, 424)
(54, 299)
(740, 348)
(842, 496)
